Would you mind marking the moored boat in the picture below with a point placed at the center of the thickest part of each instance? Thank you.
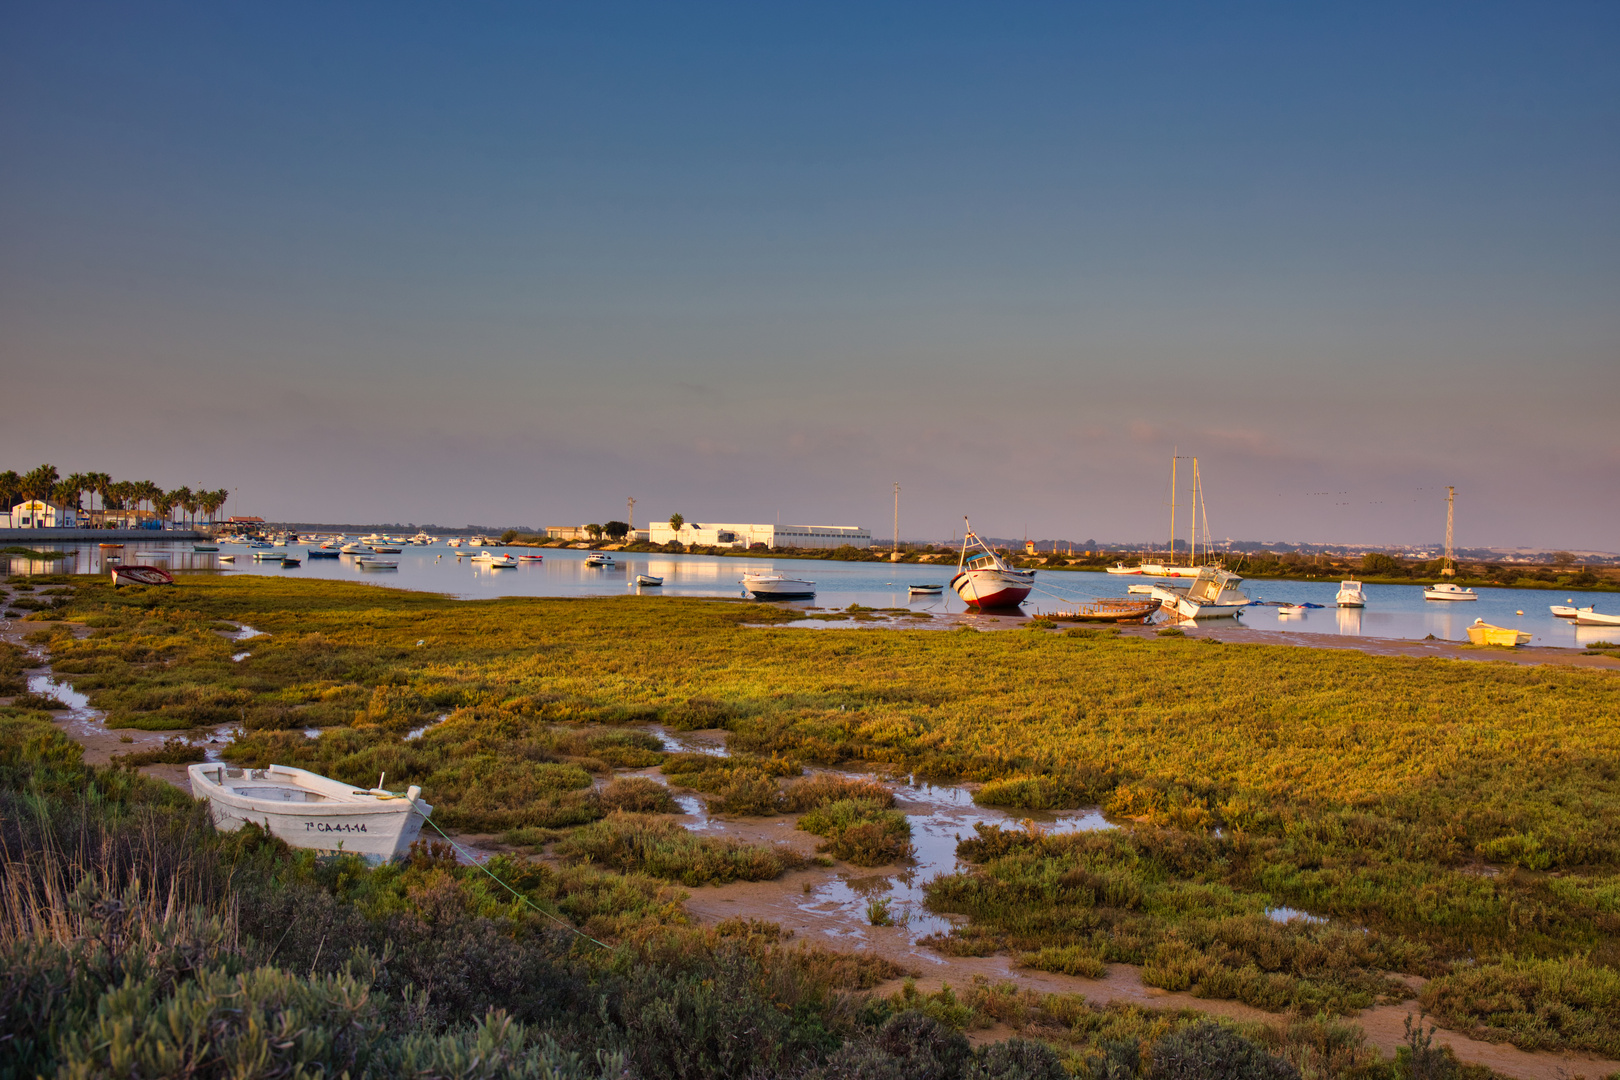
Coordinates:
(312, 811)
(1483, 633)
(141, 575)
(1291, 609)
(1588, 617)
(387, 550)
(985, 580)
(285, 563)
(204, 549)
(1571, 611)
(531, 558)
(268, 555)
(323, 552)
(778, 586)
(925, 590)
(355, 549)
(1213, 594)
(648, 579)
(1448, 590)
(598, 558)
(373, 562)
(1350, 595)
(500, 562)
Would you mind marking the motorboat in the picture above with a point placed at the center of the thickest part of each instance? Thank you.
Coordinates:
(925, 590)
(268, 555)
(322, 552)
(311, 811)
(374, 562)
(454, 541)
(598, 558)
(531, 558)
(1571, 611)
(422, 539)
(1588, 617)
(778, 586)
(141, 575)
(204, 549)
(985, 580)
(1213, 594)
(1449, 590)
(1291, 609)
(290, 561)
(648, 579)
(1139, 588)
(227, 558)
(355, 549)
(1350, 595)
(1483, 633)
(387, 550)
(500, 562)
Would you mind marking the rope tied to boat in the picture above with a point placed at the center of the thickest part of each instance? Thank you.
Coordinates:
(464, 853)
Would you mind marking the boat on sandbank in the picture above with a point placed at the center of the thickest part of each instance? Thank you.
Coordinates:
(1483, 633)
(984, 580)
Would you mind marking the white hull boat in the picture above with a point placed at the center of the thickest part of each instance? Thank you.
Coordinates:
(648, 579)
(269, 556)
(1448, 591)
(1212, 595)
(1291, 609)
(1571, 612)
(925, 590)
(1588, 617)
(501, 562)
(779, 586)
(311, 811)
(985, 580)
(371, 562)
(141, 575)
(1350, 595)
(597, 558)
(355, 549)
(1155, 570)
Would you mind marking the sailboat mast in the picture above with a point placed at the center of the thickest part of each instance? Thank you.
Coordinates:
(1451, 562)
(1173, 459)
(896, 516)
(1192, 552)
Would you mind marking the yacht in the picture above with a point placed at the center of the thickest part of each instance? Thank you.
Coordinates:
(778, 587)
(1449, 590)
(598, 558)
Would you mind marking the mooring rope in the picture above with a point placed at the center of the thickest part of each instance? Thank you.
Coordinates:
(464, 853)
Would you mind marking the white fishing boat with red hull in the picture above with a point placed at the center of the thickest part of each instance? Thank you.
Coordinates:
(985, 580)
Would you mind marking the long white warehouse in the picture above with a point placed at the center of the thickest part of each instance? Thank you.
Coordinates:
(712, 534)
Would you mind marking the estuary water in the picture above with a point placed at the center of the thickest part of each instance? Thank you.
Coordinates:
(1392, 611)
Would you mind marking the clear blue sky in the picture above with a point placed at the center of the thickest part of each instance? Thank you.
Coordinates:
(516, 262)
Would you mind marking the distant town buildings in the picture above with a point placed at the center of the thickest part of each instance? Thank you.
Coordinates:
(715, 534)
(42, 514)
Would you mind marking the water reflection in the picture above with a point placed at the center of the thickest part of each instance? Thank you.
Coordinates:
(1393, 611)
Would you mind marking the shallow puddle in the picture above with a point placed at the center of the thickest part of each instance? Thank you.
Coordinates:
(689, 743)
(1284, 914)
(49, 686)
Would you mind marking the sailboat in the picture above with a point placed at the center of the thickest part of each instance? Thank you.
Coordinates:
(985, 580)
(1170, 570)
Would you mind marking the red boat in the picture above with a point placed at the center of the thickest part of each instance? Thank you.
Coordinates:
(986, 581)
(141, 575)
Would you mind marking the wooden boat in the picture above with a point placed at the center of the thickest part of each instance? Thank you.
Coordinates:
(1448, 590)
(291, 562)
(648, 579)
(323, 553)
(1110, 609)
(311, 811)
(141, 575)
(372, 562)
(204, 549)
(778, 586)
(1588, 617)
(985, 580)
(387, 550)
(1350, 595)
(925, 590)
(1483, 633)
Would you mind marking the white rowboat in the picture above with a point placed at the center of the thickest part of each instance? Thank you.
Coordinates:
(648, 579)
(311, 811)
(1588, 617)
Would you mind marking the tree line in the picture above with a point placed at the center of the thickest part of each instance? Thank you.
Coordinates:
(46, 484)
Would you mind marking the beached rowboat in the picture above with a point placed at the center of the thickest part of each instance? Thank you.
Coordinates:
(1113, 609)
(1483, 633)
(1588, 617)
(141, 575)
(311, 811)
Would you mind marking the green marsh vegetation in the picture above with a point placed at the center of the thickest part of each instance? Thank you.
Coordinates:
(1466, 815)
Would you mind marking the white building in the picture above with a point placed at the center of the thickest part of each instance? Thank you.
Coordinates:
(39, 514)
(714, 534)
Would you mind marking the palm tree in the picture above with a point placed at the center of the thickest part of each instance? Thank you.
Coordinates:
(190, 504)
(78, 484)
(163, 503)
(65, 494)
(102, 483)
(10, 489)
(676, 521)
(38, 483)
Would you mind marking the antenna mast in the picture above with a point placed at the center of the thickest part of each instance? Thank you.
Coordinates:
(630, 516)
(1450, 569)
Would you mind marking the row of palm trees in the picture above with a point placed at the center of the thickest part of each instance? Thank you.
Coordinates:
(130, 495)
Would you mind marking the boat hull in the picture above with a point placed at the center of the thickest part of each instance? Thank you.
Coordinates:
(781, 589)
(1436, 594)
(1595, 618)
(141, 575)
(280, 801)
(1486, 634)
(994, 588)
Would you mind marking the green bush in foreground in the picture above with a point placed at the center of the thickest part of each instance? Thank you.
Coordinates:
(861, 831)
(1568, 1004)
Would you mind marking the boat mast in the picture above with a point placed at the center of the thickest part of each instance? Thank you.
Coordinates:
(896, 549)
(1450, 569)
(1173, 459)
(1192, 549)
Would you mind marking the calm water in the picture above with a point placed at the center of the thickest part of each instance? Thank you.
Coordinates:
(1393, 611)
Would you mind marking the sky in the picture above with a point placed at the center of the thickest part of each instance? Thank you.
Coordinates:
(509, 263)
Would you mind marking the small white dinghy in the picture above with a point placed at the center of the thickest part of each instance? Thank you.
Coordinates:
(648, 579)
(310, 811)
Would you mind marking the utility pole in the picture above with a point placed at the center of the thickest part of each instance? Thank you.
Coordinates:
(630, 516)
(1450, 569)
(896, 547)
